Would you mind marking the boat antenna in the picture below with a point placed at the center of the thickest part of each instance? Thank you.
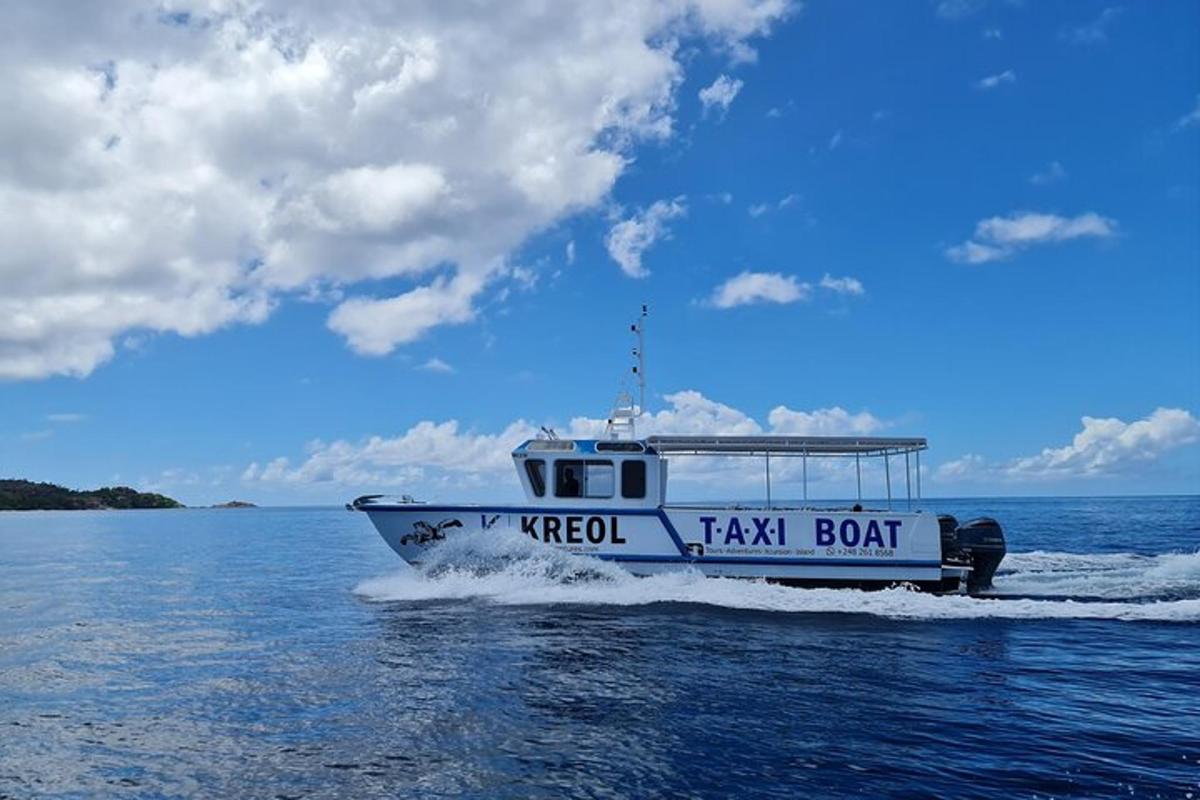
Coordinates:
(639, 352)
(624, 416)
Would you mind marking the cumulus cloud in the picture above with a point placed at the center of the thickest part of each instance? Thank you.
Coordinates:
(719, 94)
(999, 79)
(759, 287)
(435, 364)
(1053, 173)
(1103, 447)
(443, 455)
(183, 172)
(846, 285)
(998, 238)
(628, 239)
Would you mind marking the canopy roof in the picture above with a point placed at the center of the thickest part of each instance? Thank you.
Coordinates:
(787, 445)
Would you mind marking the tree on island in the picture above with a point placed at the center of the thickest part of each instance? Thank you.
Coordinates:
(21, 495)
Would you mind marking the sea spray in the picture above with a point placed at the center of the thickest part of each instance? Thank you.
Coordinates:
(509, 570)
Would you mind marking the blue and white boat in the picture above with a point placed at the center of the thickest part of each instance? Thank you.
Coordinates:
(607, 498)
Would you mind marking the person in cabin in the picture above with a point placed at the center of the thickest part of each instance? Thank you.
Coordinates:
(570, 484)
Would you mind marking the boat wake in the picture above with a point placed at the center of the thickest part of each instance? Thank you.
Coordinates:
(512, 570)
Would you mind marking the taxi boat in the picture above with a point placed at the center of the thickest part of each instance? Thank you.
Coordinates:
(608, 499)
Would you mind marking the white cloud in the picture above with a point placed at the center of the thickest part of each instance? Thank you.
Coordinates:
(374, 327)
(993, 33)
(835, 140)
(1103, 447)
(628, 239)
(1190, 119)
(1053, 173)
(1096, 31)
(846, 285)
(66, 417)
(1107, 446)
(720, 94)
(570, 254)
(435, 364)
(436, 456)
(834, 421)
(759, 287)
(998, 238)
(180, 174)
(999, 79)
(758, 209)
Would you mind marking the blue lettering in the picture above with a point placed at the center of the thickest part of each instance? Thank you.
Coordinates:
(707, 522)
(824, 532)
(891, 525)
(850, 525)
(874, 535)
(761, 536)
(782, 533)
(735, 531)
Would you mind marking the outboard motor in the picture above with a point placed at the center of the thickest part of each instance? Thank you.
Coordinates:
(982, 541)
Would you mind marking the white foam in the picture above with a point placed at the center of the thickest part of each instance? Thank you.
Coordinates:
(1110, 575)
(513, 571)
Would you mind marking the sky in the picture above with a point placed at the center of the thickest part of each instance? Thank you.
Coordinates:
(296, 252)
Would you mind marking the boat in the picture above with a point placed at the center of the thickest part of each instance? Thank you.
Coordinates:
(607, 499)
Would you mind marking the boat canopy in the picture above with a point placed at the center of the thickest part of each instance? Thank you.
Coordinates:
(803, 447)
(862, 446)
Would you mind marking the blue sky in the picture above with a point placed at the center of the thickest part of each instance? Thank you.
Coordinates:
(973, 221)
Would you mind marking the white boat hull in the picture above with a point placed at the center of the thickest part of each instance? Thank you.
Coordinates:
(794, 545)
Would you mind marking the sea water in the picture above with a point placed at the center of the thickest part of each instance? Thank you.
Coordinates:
(288, 653)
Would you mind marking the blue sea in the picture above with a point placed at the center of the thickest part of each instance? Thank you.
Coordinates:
(287, 653)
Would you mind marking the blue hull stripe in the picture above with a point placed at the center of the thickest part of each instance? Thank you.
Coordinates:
(807, 562)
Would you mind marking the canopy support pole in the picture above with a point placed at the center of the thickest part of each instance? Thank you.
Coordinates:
(768, 480)
(907, 481)
(804, 471)
(887, 477)
(858, 474)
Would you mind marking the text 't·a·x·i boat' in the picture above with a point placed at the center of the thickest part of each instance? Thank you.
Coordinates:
(607, 498)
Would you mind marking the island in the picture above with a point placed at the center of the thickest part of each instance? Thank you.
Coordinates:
(235, 504)
(22, 495)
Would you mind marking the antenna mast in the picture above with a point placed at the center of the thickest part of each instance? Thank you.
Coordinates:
(623, 419)
(639, 369)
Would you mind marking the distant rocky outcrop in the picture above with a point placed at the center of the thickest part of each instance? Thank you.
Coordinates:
(235, 504)
(20, 495)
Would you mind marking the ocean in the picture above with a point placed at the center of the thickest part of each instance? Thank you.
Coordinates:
(287, 653)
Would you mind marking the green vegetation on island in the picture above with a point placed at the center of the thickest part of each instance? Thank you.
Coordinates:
(235, 504)
(18, 495)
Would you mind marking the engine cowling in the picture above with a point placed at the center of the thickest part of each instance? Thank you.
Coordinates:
(982, 540)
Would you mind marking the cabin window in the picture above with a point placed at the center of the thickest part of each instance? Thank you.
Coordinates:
(633, 479)
(601, 479)
(535, 468)
(584, 479)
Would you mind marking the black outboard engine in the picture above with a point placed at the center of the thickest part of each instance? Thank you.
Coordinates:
(982, 541)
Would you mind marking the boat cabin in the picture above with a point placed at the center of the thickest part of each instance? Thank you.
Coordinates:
(602, 473)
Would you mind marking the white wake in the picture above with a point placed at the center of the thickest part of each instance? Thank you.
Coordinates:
(512, 570)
